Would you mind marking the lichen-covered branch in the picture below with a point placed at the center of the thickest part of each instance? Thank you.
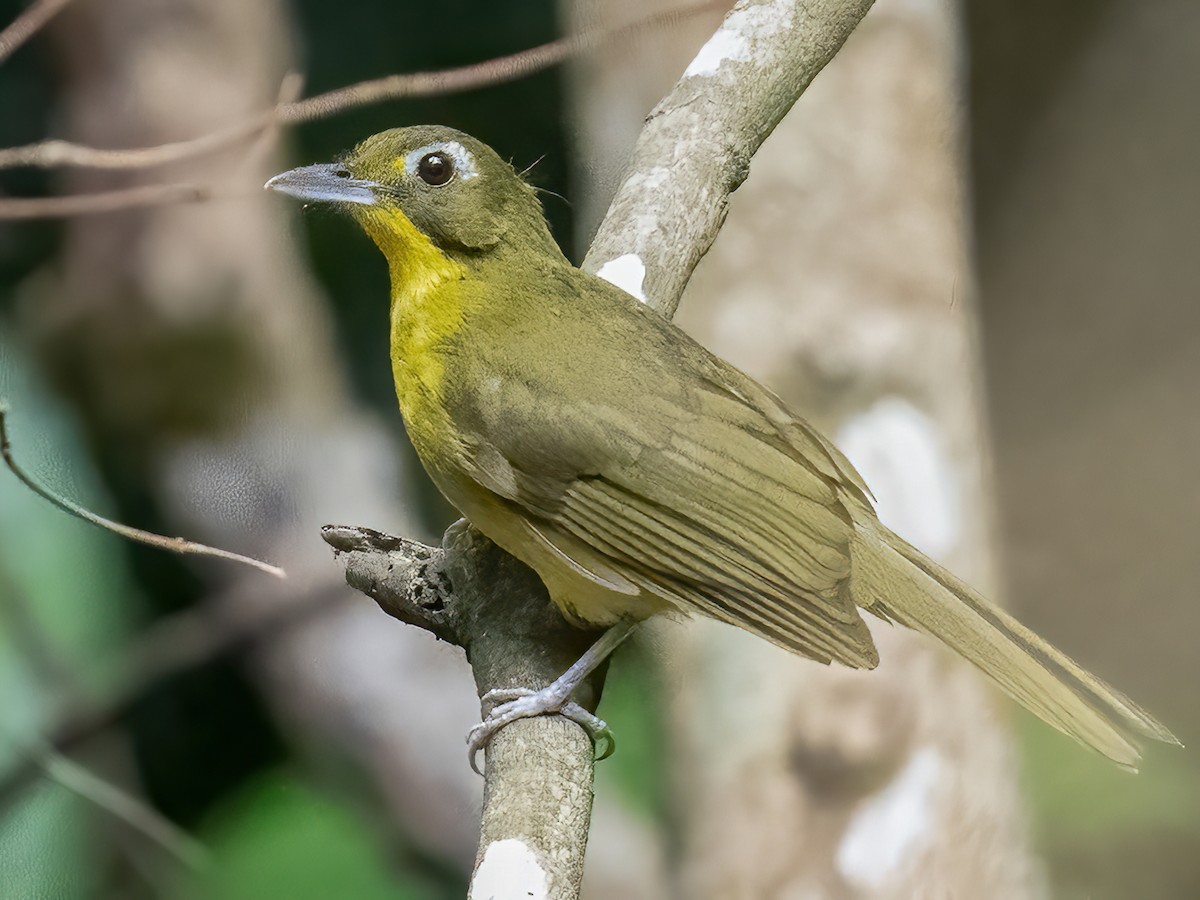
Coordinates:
(697, 144)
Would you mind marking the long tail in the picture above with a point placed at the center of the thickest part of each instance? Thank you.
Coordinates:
(894, 580)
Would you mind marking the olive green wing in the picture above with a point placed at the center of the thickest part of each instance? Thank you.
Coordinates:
(677, 475)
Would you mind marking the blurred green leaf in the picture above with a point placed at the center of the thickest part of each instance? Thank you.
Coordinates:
(44, 848)
(1078, 792)
(1107, 833)
(633, 707)
(280, 838)
(70, 576)
(67, 582)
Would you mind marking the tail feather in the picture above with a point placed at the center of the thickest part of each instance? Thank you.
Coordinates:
(894, 580)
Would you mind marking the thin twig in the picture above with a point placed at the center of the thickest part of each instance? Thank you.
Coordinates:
(53, 153)
(290, 90)
(26, 208)
(27, 24)
(500, 70)
(184, 641)
(51, 670)
(124, 806)
(175, 545)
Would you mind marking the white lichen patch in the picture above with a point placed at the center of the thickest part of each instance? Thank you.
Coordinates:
(894, 825)
(738, 35)
(902, 457)
(627, 272)
(652, 179)
(509, 871)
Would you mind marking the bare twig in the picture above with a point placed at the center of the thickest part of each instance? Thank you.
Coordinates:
(43, 658)
(181, 642)
(173, 544)
(495, 71)
(55, 673)
(290, 90)
(27, 24)
(53, 153)
(105, 202)
(124, 806)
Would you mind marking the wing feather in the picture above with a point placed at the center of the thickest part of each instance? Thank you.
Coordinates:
(683, 475)
(699, 568)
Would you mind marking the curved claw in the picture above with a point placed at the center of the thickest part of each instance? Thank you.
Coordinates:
(504, 706)
(595, 727)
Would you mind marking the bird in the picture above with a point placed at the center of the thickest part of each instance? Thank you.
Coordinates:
(633, 470)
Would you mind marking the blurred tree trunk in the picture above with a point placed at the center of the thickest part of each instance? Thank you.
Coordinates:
(200, 354)
(1084, 153)
(841, 280)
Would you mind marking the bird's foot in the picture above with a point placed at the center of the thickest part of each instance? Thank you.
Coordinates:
(504, 706)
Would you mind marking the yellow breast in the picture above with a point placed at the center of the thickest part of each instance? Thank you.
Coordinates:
(427, 310)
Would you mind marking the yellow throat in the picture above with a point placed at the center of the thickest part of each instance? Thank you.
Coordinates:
(425, 311)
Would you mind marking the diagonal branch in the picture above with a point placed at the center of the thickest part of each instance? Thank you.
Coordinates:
(698, 142)
(27, 24)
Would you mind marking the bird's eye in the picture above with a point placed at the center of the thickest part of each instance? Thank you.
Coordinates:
(435, 169)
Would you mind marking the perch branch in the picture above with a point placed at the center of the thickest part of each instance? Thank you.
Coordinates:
(538, 790)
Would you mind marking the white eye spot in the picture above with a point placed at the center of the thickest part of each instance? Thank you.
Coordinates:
(464, 162)
(627, 272)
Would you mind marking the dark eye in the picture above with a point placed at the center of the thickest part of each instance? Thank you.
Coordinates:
(435, 169)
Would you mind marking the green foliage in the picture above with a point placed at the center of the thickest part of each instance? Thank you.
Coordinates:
(45, 846)
(633, 707)
(1091, 819)
(66, 608)
(278, 837)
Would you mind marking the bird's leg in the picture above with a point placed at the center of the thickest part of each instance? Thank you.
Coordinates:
(504, 705)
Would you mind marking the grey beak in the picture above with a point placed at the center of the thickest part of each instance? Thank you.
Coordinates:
(326, 183)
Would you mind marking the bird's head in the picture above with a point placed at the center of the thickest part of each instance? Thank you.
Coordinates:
(425, 188)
